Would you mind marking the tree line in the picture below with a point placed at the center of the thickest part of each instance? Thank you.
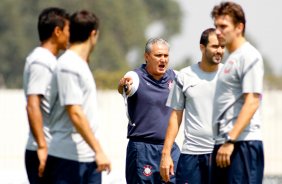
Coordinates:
(122, 31)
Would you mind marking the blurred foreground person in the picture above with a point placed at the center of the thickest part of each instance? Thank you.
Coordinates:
(53, 30)
(75, 154)
(238, 155)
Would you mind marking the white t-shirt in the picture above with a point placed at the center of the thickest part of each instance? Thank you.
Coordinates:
(193, 92)
(73, 85)
(242, 73)
(38, 71)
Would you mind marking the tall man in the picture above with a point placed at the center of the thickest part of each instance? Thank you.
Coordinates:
(193, 93)
(53, 30)
(238, 154)
(146, 95)
(75, 154)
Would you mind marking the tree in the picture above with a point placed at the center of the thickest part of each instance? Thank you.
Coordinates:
(122, 28)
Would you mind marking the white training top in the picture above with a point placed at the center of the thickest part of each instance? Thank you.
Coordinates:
(242, 73)
(38, 71)
(193, 92)
(73, 85)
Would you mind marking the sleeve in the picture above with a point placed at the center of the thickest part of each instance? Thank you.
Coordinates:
(39, 79)
(253, 76)
(176, 97)
(70, 91)
(135, 83)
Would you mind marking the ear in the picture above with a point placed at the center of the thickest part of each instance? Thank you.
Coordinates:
(240, 27)
(202, 48)
(57, 31)
(146, 55)
(94, 33)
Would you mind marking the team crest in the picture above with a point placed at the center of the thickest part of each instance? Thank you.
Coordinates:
(147, 170)
(228, 66)
(170, 84)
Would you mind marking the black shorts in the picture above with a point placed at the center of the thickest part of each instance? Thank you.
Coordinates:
(143, 162)
(247, 164)
(195, 169)
(62, 171)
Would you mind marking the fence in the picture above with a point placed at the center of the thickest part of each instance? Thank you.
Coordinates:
(14, 131)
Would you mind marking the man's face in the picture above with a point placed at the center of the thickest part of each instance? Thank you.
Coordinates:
(214, 50)
(63, 37)
(157, 60)
(226, 31)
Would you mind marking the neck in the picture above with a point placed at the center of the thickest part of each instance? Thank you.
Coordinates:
(82, 49)
(156, 77)
(51, 46)
(235, 44)
(207, 67)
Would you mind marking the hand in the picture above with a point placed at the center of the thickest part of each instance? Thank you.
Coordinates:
(126, 81)
(42, 153)
(103, 163)
(166, 168)
(224, 154)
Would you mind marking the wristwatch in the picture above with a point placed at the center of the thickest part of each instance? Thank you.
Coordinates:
(227, 139)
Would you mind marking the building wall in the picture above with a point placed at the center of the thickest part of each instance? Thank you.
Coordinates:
(14, 131)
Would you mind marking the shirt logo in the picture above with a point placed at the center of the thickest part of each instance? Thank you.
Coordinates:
(147, 170)
(170, 84)
(228, 67)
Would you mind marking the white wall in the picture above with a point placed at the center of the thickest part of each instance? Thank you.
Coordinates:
(14, 131)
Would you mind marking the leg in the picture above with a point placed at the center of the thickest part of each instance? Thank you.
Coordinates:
(247, 163)
(219, 175)
(131, 166)
(88, 173)
(205, 168)
(62, 171)
(32, 164)
(188, 170)
(175, 153)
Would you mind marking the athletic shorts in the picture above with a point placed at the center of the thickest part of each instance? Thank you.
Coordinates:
(63, 171)
(143, 162)
(195, 169)
(247, 164)
(31, 165)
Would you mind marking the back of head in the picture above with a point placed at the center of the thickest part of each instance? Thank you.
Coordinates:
(232, 9)
(152, 41)
(205, 36)
(50, 18)
(82, 23)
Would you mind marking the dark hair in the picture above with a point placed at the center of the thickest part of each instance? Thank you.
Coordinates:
(205, 36)
(232, 9)
(48, 19)
(82, 23)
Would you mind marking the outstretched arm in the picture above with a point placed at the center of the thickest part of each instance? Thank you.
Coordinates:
(166, 165)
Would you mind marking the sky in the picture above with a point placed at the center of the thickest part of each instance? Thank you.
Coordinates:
(264, 28)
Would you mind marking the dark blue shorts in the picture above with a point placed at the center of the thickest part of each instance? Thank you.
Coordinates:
(247, 164)
(31, 165)
(143, 162)
(195, 169)
(63, 171)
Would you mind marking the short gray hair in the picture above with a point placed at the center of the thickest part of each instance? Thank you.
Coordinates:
(152, 41)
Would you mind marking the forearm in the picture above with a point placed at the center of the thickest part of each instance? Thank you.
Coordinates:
(249, 108)
(35, 120)
(81, 124)
(172, 130)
